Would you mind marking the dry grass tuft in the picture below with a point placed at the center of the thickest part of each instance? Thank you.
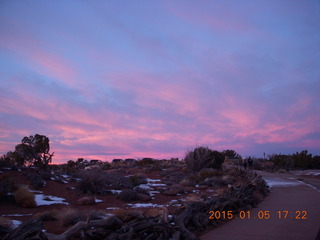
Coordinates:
(24, 197)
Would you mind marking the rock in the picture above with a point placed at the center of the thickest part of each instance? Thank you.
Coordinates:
(86, 201)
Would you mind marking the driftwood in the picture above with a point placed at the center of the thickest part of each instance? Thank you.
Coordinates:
(111, 222)
(29, 230)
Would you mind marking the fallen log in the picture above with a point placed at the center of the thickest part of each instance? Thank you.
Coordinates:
(31, 229)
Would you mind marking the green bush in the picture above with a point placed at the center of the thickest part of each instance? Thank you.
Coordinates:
(203, 157)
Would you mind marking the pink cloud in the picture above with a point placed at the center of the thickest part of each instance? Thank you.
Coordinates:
(27, 47)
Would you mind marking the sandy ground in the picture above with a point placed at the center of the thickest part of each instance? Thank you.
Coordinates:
(297, 194)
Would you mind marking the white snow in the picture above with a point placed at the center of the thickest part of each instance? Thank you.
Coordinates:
(278, 182)
(16, 223)
(115, 191)
(153, 180)
(307, 172)
(98, 200)
(145, 186)
(109, 208)
(152, 193)
(152, 183)
(16, 215)
(144, 205)
(42, 199)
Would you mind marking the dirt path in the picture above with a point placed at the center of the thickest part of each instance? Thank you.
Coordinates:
(287, 194)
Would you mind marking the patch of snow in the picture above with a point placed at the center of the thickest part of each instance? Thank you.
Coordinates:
(110, 208)
(145, 186)
(98, 200)
(115, 191)
(16, 223)
(16, 215)
(19, 169)
(144, 205)
(35, 191)
(152, 193)
(307, 172)
(65, 176)
(153, 180)
(278, 182)
(42, 199)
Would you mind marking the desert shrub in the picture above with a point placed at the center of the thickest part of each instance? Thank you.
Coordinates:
(36, 180)
(105, 166)
(216, 182)
(45, 175)
(209, 172)
(128, 195)
(188, 182)
(142, 190)
(96, 181)
(203, 157)
(316, 162)
(24, 197)
(7, 160)
(174, 176)
(145, 161)
(137, 180)
(302, 160)
(5, 186)
(280, 160)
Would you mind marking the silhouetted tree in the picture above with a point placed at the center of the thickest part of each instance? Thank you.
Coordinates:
(34, 150)
(303, 160)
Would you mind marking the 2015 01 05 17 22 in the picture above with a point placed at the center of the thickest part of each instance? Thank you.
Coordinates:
(281, 214)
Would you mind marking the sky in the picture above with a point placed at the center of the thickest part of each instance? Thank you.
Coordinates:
(134, 79)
